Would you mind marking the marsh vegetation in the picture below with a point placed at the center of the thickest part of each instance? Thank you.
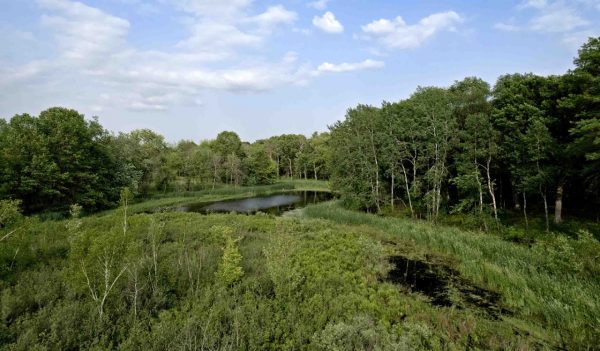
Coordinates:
(460, 218)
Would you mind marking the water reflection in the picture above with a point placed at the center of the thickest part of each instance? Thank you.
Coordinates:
(273, 204)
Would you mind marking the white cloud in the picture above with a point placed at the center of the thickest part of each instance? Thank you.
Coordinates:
(557, 18)
(219, 36)
(397, 34)
(216, 37)
(83, 33)
(348, 67)
(220, 53)
(328, 23)
(93, 48)
(25, 72)
(274, 15)
(318, 4)
(251, 78)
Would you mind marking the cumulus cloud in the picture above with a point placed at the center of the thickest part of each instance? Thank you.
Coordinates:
(328, 23)
(397, 34)
(275, 15)
(219, 36)
(348, 67)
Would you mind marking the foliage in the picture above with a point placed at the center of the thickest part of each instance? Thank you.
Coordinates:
(55, 160)
(230, 269)
(549, 284)
(528, 143)
(261, 169)
(306, 284)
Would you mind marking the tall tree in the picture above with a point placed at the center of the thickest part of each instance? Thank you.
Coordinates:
(228, 143)
(517, 102)
(355, 157)
(433, 107)
(58, 159)
(261, 169)
(478, 146)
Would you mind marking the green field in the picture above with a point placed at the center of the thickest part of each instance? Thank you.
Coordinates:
(318, 280)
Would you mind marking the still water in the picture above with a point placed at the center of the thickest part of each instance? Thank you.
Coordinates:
(275, 204)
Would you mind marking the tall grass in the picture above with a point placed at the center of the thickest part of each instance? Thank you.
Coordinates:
(550, 285)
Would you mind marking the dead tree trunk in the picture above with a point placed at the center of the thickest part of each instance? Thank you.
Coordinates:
(412, 213)
(558, 204)
(491, 189)
(543, 193)
(525, 210)
(392, 191)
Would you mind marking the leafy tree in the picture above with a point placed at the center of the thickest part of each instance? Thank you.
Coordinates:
(478, 146)
(516, 104)
(234, 174)
(261, 169)
(57, 159)
(403, 148)
(355, 165)
(432, 106)
(207, 164)
(183, 164)
(230, 269)
(538, 176)
(319, 155)
(228, 143)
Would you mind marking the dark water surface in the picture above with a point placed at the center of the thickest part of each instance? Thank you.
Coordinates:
(444, 286)
(275, 204)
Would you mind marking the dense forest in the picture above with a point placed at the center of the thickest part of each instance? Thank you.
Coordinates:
(464, 218)
(530, 142)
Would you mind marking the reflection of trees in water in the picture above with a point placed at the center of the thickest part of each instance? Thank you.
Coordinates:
(274, 204)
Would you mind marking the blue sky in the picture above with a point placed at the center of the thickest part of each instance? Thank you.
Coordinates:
(191, 68)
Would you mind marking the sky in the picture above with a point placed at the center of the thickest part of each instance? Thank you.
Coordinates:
(189, 69)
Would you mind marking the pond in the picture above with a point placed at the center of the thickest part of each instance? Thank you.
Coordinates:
(275, 204)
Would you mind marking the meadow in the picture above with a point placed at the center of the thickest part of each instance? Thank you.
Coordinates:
(320, 279)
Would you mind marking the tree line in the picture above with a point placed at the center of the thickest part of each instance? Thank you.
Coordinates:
(530, 142)
(56, 159)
